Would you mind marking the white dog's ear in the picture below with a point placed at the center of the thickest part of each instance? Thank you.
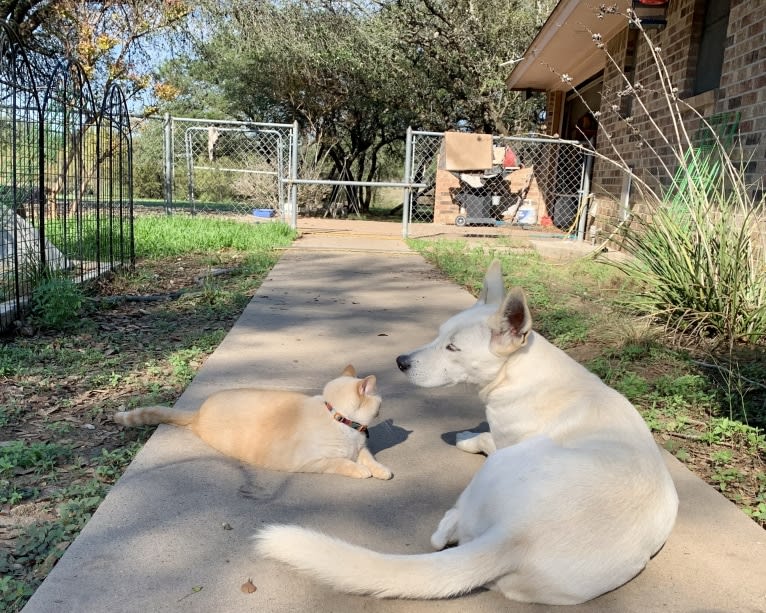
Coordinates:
(510, 324)
(493, 290)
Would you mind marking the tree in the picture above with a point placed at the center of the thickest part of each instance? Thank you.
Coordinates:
(111, 40)
(331, 70)
(458, 54)
(26, 16)
(355, 75)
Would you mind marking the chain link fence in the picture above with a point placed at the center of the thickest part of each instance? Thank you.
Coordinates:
(531, 182)
(227, 166)
(253, 169)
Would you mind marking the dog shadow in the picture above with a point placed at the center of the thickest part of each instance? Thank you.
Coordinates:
(385, 435)
(451, 437)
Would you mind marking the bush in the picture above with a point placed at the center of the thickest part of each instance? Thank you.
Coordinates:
(56, 302)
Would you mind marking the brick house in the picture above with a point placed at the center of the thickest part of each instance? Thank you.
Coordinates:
(715, 54)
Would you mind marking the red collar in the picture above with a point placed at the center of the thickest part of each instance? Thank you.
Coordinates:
(345, 420)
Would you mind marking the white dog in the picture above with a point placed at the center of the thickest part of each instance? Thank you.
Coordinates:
(574, 497)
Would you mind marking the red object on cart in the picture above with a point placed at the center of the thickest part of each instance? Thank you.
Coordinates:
(509, 160)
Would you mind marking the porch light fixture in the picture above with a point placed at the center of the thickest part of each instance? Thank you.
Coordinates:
(652, 13)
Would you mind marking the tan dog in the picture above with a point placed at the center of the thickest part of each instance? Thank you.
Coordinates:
(284, 430)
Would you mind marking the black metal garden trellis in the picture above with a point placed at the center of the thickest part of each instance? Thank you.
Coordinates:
(66, 201)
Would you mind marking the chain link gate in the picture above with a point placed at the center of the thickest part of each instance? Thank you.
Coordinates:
(541, 182)
(227, 166)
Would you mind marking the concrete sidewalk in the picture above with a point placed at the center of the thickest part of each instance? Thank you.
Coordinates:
(174, 532)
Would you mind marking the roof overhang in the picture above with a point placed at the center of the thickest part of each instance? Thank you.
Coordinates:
(565, 46)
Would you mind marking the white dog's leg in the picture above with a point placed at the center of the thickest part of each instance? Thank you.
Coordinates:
(473, 442)
(445, 533)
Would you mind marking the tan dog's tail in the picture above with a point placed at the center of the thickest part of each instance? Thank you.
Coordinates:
(155, 415)
(357, 570)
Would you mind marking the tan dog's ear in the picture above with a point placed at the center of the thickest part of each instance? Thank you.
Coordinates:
(349, 371)
(493, 290)
(366, 386)
(510, 324)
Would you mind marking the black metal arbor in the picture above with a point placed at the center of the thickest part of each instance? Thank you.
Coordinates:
(66, 201)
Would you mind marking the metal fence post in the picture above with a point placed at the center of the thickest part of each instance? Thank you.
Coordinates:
(584, 194)
(167, 184)
(293, 177)
(407, 192)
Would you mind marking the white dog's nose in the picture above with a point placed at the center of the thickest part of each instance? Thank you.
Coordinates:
(403, 362)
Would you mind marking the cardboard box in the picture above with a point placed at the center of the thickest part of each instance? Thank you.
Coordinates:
(466, 151)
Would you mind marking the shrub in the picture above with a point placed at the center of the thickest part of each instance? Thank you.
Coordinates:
(56, 302)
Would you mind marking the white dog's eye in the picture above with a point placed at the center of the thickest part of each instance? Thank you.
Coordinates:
(452, 347)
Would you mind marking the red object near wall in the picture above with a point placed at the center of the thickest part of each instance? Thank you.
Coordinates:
(509, 160)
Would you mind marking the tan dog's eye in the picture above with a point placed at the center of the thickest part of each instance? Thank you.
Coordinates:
(452, 347)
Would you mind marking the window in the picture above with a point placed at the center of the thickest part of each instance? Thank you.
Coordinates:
(629, 70)
(712, 45)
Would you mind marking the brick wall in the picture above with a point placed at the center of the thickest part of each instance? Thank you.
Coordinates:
(742, 89)
(445, 210)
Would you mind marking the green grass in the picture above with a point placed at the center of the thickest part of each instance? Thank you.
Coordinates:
(557, 317)
(166, 235)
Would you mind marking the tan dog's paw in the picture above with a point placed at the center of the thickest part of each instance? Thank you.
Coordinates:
(360, 472)
(381, 472)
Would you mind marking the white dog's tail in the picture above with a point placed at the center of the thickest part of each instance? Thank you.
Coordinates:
(357, 570)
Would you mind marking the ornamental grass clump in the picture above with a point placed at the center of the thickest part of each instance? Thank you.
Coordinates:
(700, 264)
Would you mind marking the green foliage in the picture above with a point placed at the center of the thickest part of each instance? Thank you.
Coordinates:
(632, 386)
(77, 502)
(563, 326)
(40, 545)
(758, 510)
(695, 227)
(56, 302)
(701, 265)
(13, 593)
(185, 363)
(355, 75)
(41, 457)
(723, 430)
(37, 543)
(148, 175)
(111, 464)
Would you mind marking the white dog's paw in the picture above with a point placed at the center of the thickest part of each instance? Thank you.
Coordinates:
(466, 441)
(446, 532)
(475, 442)
(438, 541)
